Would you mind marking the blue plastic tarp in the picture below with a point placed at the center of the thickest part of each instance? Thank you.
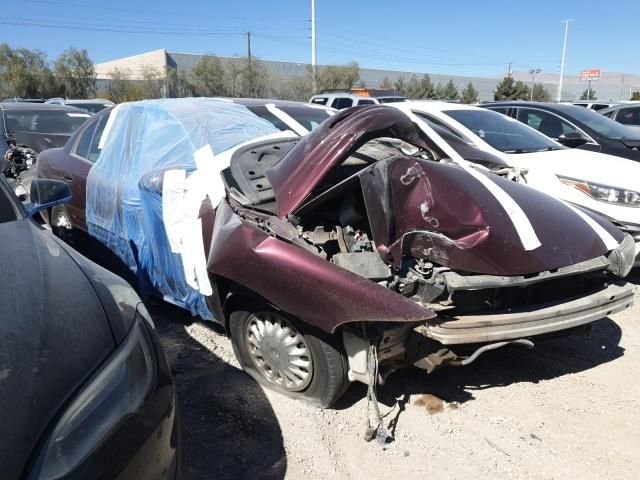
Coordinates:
(141, 143)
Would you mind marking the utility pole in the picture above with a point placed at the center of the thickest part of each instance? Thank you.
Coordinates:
(249, 69)
(314, 71)
(621, 87)
(564, 52)
(509, 70)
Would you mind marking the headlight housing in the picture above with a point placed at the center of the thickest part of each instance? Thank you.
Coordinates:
(604, 193)
(622, 258)
(117, 391)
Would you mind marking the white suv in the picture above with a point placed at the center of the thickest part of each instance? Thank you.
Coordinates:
(340, 100)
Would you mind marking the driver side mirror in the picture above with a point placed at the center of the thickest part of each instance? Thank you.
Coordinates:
(572, 140)
(47, 194)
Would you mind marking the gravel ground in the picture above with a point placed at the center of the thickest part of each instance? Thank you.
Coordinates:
(570, 408)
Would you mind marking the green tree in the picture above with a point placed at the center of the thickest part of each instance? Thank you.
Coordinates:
(299, 88)
(509, 89)
(339, 77)
(74, 74)
(152, 84)
(400, 86)
(119, 86)
(25, 73)
(426, 87)
(413, 89)
(450, 91)
(254, 78)
(588, 95)
(385, 84)
(540, 94)
(178, 84)
(635, 96)
(469, 94)
(208, 77)
(439, 92)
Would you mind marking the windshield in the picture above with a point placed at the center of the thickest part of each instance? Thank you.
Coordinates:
(43, 121)
(602, 125)
(308, 117)
(501, 132)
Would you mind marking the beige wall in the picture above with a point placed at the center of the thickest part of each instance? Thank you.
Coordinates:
(134, 65)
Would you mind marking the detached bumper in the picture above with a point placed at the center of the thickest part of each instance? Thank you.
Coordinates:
(533, 321)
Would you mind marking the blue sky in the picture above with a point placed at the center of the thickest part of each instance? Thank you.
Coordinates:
(449, 37)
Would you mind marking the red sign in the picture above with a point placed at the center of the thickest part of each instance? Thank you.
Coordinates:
(590, 74)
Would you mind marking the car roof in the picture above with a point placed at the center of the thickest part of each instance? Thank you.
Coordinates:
(14, 106)
(87, 100)
(557, 107)
(619, 106)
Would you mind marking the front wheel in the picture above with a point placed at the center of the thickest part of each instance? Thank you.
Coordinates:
(283, 355)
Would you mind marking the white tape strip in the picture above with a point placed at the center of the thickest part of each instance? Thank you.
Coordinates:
(520, 221)
(291, 122)
(108, 126)
(605, 236)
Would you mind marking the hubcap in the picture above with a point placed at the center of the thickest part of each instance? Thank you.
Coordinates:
(278, 351)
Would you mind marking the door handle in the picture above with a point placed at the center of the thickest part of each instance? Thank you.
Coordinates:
(67, 177)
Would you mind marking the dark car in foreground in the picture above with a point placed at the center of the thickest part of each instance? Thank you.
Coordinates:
(85, 389)
(574, 126)
(350, 252)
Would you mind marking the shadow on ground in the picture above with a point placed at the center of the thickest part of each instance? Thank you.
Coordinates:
(228, 428)
(501, 368)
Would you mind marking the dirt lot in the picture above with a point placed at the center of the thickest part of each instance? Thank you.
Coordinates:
(568, 409)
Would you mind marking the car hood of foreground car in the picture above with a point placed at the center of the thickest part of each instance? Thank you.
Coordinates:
(53, 334)
(450, 214)
(578, 164)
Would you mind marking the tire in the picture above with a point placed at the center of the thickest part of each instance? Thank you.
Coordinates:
(327, 365)
(61, 225)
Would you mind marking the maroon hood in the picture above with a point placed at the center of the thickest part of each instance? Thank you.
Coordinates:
(295, 176)
(439, 211)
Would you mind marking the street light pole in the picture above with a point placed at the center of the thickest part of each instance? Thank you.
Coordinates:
(314, 72)
(564, 52)
(533, 72)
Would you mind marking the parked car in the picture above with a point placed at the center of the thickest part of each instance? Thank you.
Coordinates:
(38, 126)
(575, 127)
(92, 106)
(85, 388)
(23, 100)
(594, 105)
(342, 99)
(627, 114)
(604, 184)
(366, 245)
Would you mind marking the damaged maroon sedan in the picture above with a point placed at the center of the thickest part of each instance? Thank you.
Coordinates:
(365, 246)
(364, 249)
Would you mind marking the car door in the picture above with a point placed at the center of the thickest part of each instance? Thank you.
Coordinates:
(82, 156)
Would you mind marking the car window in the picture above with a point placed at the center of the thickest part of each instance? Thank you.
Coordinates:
(501, 132)
(439, 123)
(391, 99)
(44, 121)
(94, 148)
(609, 114)
(366, 101)
(599, 106)
(547, 123)
(584, 105)
(308, 117)
(502, 110)
(342, 102)
(600, 124)
(82, 147)
(320, 100)
(629, 116)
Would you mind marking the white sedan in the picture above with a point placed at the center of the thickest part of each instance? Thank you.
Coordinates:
(602, 183)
